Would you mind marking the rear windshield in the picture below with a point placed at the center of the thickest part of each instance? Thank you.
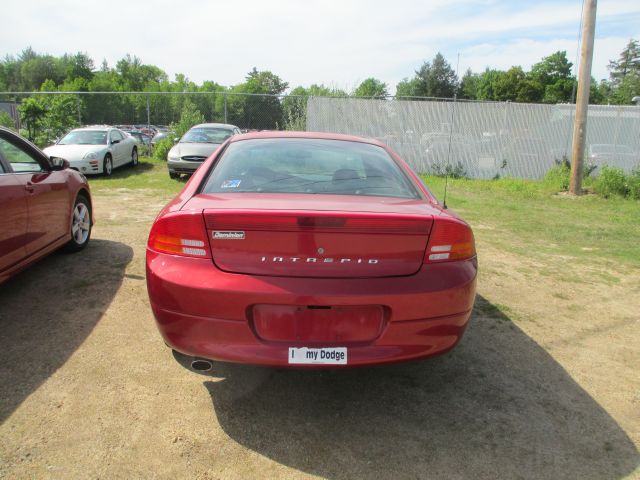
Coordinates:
(291, 165)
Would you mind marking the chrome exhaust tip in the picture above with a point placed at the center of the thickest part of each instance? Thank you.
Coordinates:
(200, 365)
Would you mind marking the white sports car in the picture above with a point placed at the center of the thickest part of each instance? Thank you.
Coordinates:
(96, 150)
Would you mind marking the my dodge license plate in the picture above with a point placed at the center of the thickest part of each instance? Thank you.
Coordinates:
(318, 356)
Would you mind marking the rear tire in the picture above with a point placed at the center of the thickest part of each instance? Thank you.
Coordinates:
(80, 224)
(174, 175)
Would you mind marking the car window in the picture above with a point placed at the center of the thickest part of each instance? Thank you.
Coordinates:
(84, 137)
(115, 135)
(308, 166)
(19, 160)
(206, 135)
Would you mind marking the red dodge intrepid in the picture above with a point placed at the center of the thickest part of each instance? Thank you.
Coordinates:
(309, 249)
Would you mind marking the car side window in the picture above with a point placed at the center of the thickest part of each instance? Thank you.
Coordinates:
(19, 160)
(115, 135)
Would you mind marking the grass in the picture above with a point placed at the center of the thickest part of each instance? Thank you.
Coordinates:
(530, 217)
(151, 174)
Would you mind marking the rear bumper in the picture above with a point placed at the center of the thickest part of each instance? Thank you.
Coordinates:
(204, 312)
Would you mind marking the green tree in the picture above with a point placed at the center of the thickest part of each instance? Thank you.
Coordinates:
(530, 91)
(134, 75)
(507, 84)
(628, 88)
(32, 113)
(436, 78)
(189, 117)
(554, 74)
(76, 66)
(486, 87)
(321, 90)
(407, 88)
(294, 108)
(6, 120)
(371, 87)
(294, 105)
(258, 111)
(60, 116)
(469, 85)
(628, 62)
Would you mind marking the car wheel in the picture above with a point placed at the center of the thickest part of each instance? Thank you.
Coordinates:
(80, 224)
(134, 157)
(174, 175)
(107, 166)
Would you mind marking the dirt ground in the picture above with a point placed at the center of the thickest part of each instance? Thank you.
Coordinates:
(545, 384)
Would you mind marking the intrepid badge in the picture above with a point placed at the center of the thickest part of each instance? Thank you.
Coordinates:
(228, 235)
(367, 261)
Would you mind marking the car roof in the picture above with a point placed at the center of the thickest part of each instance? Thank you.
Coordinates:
(214, 125)
(94, 127)
(308, 135)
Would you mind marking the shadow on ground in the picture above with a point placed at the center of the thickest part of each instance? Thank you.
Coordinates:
(48, 310)
(498, 406)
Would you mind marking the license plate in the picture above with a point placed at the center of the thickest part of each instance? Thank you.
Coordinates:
(318, 356)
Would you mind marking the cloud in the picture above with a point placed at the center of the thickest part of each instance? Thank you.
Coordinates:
(332, 42)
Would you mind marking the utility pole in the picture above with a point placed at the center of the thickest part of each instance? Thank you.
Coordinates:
(582, 99)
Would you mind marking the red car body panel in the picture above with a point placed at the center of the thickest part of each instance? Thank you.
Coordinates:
(253, 300)
(13, 221)
(37, 208)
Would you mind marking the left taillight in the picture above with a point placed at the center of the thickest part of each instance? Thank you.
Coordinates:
(180, 233)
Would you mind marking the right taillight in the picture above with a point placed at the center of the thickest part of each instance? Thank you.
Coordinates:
(180, 233)
(450, 240)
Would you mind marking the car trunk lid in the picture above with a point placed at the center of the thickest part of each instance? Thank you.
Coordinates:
(305, 242)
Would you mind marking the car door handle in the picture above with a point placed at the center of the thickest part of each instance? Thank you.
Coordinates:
(29, 187)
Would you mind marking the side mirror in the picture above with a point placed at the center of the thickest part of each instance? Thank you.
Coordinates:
(176, 140)
(113, 142)
(59, 163)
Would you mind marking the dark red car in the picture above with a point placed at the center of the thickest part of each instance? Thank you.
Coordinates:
(309, 249)
(44, 205)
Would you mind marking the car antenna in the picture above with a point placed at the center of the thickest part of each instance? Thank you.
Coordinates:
(451, 123)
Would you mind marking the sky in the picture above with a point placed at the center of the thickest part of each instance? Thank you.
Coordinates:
(337, 43)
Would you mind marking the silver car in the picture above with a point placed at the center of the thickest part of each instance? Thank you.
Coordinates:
(95, 150)
(196, 146)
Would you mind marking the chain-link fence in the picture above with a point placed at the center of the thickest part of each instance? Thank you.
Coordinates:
(247, 111)
(473, 139)
(482, 139)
